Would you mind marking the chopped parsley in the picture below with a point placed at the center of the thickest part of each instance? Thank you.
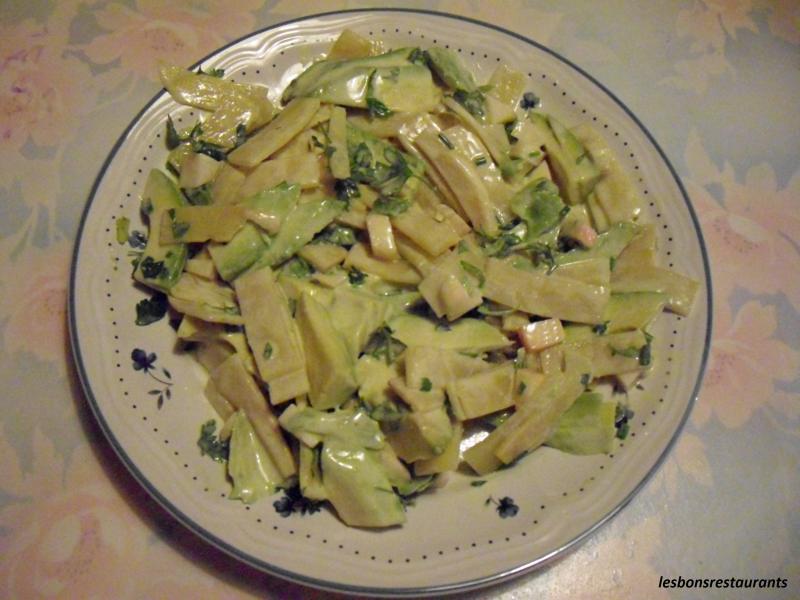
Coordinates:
(338, 235)
(446, 141)
(477, 482)
(382, 345)
(646, 351)
(173, 138)
(426, 385)
(506, 507)
(294, 502)
(150, 310)
(622, 418)
(199, 196)
(522, 387)
(219, 73)
(529, 101)
(378, 109)
(152, 269)
(267, 353)
(179, 229)
(299, 268)
(210, 445)
(473, 101)
(390, 206)
(137, 239)
(346, 189)
(356, 277)
(629, 352)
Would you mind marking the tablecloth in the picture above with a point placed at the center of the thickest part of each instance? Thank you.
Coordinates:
(717, 82)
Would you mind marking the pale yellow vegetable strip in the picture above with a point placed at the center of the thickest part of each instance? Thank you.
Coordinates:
(288, 387)
(413, 254)
(395, 272)
(531, 424)
(234, 382)
(681, 290)
(271, 331)
(304, 170)
(493, 136)
(640, 251)
(201, 90)
(323, 256)
(544, 295)
(462, 178)
(381, 237)
(435, 237)
(350, 45)
(447, 461)
(204, 299)
(198, 169)
(217, 401)
(225, 189)
(289, 122)
(201, 224)
(483, 393)
(416, 398)
(507, 85)
(439, 366)
(337, 132)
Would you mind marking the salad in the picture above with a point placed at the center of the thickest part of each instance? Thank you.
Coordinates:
(395, 273)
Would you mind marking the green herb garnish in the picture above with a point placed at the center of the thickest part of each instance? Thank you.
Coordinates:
(378, 109)
(391, 206)
(426, 385)
(150, 310)
(267, 353)
(446, 141)
(210, 445)
(356, 277)
(473, 101)
(529, 101)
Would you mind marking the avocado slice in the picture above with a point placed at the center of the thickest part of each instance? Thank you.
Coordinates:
(446, 64)
(329, 363)
(587, 427)
(160, 265)
(347, 77)
(356, 474)
(250, 466)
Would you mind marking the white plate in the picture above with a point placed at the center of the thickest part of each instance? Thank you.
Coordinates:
(453, 540)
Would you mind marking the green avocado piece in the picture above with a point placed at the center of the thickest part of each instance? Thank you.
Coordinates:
(250, 466)
(465, 334)
(233, 258)
(450, 69)
(336, 80)
(299, 228)
(250, 242)
(608, 245)
(575, 171)
(160, 266)
(540, 206)
(329, 363)
(587, 427)
(356, 476)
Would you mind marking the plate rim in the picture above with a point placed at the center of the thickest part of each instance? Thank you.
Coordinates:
(264, 566)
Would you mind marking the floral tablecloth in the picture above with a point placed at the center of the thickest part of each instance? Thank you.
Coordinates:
(716, 81)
